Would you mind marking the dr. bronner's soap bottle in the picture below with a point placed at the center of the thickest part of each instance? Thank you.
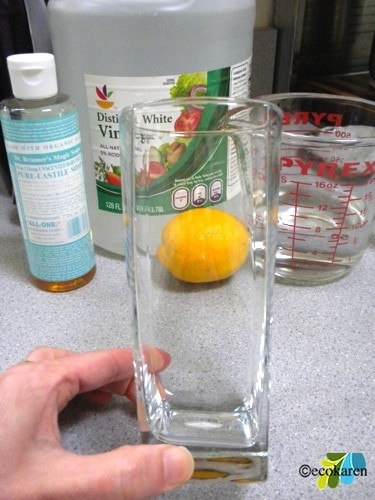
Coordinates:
(43, 145)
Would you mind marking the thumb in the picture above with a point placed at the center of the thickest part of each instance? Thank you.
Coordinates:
(133, 472)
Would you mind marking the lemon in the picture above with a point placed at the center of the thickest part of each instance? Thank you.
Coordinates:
(203, 245)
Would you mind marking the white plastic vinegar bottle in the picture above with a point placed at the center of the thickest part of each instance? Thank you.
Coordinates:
(113, 53)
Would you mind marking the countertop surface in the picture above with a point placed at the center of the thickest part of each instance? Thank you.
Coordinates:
(322, 366)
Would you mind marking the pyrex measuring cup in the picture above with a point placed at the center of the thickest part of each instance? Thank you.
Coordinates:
(327, 185)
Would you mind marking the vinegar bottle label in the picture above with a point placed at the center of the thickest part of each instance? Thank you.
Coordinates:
(106, 96)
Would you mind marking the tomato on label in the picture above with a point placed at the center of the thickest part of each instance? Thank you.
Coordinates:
(113, 179)
(143, 178)
(156, 170)
(188, 120)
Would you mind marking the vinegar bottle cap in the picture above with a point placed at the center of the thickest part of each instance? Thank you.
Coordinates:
(33, 76)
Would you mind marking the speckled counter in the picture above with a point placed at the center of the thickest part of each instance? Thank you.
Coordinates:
(322, 366)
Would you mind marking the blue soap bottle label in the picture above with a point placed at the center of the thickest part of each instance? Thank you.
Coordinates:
(46, 166)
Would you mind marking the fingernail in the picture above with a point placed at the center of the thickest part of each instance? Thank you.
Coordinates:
(157, 359)
(178, 465)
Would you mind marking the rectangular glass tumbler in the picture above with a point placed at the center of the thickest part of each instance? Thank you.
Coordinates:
(200, 186)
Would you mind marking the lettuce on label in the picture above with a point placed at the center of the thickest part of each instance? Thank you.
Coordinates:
(186, 84)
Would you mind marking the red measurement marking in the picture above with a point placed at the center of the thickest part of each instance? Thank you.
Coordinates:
(338, 241)
(305, 206)
(295, 217)
(294, 238)
(291, 193)
(300, 193)
(336, 238)
(311, 235)
(300, 183)
(306, 236)
(344, 215)
(300, 206)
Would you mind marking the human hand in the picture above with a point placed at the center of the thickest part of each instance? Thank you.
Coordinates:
(33, 463)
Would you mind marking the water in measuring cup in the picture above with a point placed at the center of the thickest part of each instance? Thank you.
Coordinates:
(323, 228)
(326, 203)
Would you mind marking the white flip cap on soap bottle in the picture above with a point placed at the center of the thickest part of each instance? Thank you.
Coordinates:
(33, 76)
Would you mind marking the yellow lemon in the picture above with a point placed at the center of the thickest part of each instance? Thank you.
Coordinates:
(203, 245)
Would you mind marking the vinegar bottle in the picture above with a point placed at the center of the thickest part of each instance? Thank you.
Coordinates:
(112, 54)
(43, 144)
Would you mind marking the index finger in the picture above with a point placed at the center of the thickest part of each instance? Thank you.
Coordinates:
(79, 373)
